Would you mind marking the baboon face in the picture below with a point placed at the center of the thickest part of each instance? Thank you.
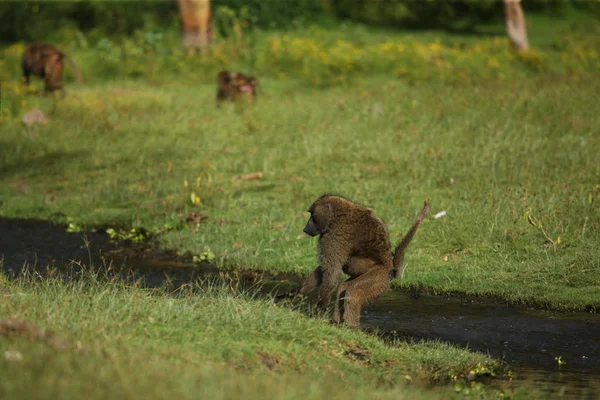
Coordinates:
(321, 214)
(311, 227)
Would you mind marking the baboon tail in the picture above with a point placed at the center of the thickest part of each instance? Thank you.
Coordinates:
(398, 260)
(78, 76)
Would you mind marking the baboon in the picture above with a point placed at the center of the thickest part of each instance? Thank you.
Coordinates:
(234, 85)
(47, 62)
(353, 240)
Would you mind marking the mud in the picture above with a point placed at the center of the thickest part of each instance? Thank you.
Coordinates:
(529, 340)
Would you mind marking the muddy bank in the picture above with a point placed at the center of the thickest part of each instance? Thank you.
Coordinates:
(529, 340)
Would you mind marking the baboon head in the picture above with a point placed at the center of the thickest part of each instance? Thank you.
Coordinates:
(322, 213)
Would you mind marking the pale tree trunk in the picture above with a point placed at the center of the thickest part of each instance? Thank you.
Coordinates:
(515, 24)
(196, 23)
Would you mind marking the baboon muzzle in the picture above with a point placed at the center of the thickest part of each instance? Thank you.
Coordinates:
(311, 228)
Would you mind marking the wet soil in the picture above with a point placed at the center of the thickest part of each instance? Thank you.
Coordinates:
(529, 340)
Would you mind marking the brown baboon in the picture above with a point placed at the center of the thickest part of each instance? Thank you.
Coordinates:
(353, 240)
(47, 62)
(234, 85)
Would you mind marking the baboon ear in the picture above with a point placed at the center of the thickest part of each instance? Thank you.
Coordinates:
(330, 209)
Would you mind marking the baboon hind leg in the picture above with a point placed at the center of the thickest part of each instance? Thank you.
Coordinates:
(353, 294)
(358, 266)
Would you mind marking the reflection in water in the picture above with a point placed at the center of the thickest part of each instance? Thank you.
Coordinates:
(568, 382)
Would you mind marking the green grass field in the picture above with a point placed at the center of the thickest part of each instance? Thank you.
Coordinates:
(133, 148)
(125, 154)
(126, 342)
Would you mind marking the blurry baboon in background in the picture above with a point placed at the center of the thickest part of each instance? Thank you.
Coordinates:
(353, 240)
(234, 85)
(47, 62)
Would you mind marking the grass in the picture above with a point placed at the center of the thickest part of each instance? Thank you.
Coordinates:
(120, 154)
(130, 147)
(128, 342)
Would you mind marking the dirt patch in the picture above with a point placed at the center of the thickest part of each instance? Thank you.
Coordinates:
(358, 354)
(271, 362)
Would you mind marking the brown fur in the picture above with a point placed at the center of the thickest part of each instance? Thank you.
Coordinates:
(353, 240)
(47, 62)
(234, 86)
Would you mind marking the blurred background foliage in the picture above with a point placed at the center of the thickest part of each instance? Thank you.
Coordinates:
(307, 42)
(34, 20)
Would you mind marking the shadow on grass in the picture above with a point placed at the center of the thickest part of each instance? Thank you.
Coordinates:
(36, 162)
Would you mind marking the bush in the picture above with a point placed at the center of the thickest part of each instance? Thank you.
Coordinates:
(442, 14)
(36, 20)
(276, 13)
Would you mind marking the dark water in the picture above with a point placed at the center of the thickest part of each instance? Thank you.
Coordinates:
(528, 340)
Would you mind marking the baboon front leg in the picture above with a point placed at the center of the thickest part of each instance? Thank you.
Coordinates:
(311, 282)
(307, 284)
(353, 294)
(331, 280)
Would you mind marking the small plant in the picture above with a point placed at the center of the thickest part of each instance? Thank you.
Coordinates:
(72, 226)
(594, 195)
(538, 224)
(3, 277)
(135, 235)
(206, 255)
(202, 181)
(560, 361)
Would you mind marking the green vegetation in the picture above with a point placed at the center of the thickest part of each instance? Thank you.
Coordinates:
(128, 154)
(507, 144)
(127, 342)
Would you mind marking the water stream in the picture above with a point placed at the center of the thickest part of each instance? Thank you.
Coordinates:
(528, 340)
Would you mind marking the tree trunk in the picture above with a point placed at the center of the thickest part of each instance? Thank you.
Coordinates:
(515, 24)
(196, 23)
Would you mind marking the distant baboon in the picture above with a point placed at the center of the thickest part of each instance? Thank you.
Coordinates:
(353, 240)
(234, 85)
(47, 62)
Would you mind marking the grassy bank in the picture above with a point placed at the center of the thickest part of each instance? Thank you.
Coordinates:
(489, 150)
(125, 154)
(126, 342)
